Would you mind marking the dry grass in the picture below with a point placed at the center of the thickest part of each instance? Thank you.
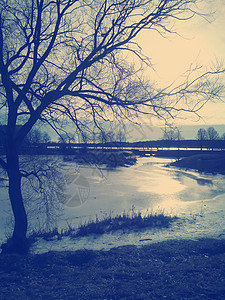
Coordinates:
(127, 221)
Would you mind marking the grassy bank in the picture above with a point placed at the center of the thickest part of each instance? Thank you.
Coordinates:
(167, 270)
(208, 163)
(127, 221)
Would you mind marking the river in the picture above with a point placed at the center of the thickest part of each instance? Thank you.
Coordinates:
(198, 200)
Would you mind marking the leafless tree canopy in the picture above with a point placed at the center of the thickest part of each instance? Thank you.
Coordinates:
(71, 59)
(202, 134)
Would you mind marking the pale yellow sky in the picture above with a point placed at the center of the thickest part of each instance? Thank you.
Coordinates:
(201, 42)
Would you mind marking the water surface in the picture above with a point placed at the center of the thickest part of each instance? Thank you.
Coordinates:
(197, 199)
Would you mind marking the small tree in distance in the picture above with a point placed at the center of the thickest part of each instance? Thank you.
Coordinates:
(46, 138)
(68, 59)
(202, 135)
(172, 135)
(36, 136)
(212, 136)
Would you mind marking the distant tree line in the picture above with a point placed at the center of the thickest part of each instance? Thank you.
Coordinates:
(94, 137)
(209, 134)
(37, 136)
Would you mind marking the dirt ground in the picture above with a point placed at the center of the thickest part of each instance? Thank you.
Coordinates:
(166, 270)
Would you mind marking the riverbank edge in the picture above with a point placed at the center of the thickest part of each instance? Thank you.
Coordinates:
(173, 269)
(203, 163)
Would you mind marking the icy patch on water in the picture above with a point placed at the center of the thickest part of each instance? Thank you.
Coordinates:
(198, 200)
(206, 219)
(194, 227)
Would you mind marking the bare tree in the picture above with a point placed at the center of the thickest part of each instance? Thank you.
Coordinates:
(121, 136)
(169, 135)
(37, 136)
(46, 137)
(69, 59)
(173, 134)
(202, 135)
(66, 138)
(110, 136)
(212, 136)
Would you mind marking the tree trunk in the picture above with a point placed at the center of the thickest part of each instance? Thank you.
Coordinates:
(18, 242)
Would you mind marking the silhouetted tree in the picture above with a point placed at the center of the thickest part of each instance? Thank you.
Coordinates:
(68, 59)
(37, 136)
(121, 136)
(202, 135)
(46, 137)
(212, 136)
(172, 135)
(66, 138)
(106, 136)
(169, 135)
